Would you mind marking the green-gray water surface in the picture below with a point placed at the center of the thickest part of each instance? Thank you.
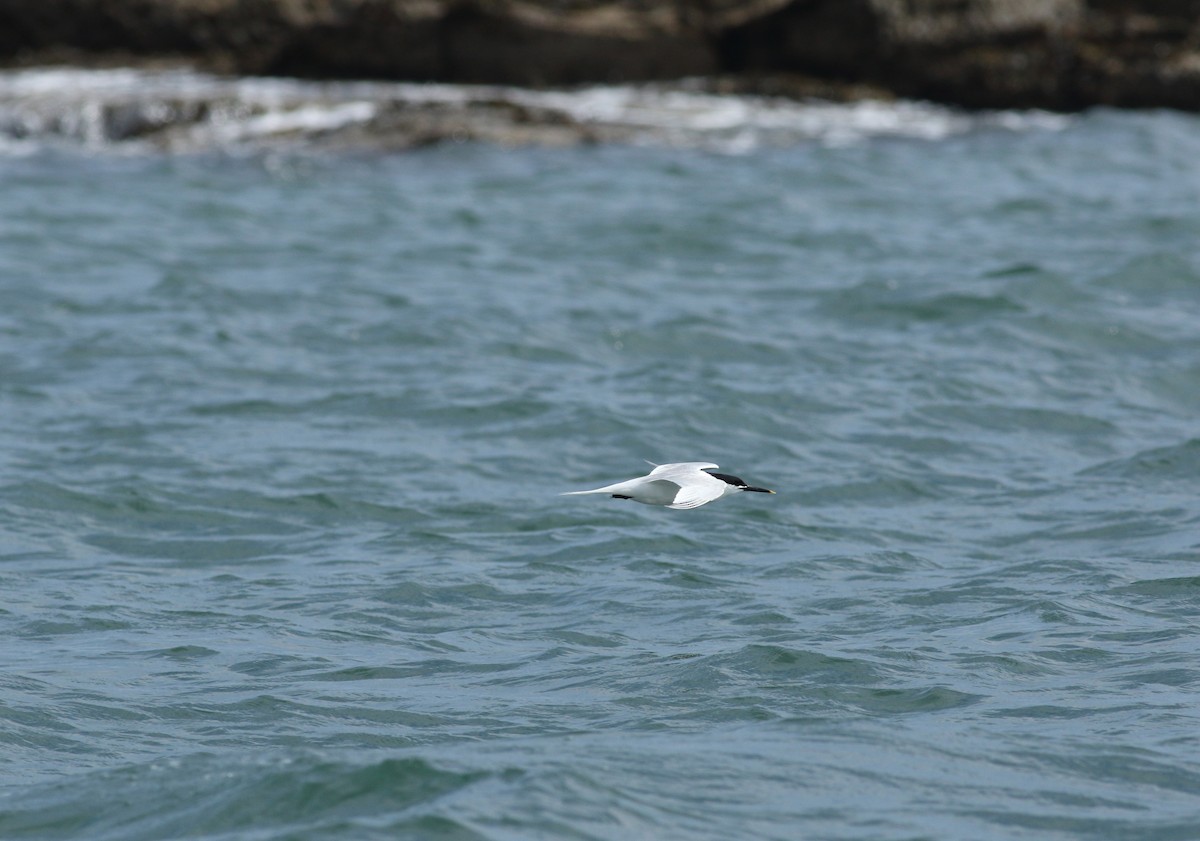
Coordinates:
(282, 553)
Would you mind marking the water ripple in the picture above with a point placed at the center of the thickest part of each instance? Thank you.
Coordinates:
(283, 438)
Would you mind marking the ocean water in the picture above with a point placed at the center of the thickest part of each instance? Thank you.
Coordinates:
(283, 432)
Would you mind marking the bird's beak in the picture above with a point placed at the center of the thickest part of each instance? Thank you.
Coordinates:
(758, 490)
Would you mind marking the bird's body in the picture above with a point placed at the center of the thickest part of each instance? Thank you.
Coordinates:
(683, 485)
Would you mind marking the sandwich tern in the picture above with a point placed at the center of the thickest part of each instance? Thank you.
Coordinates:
(683, 485)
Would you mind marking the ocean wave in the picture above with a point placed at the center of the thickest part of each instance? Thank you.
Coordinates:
(203, 796)
(181, 110)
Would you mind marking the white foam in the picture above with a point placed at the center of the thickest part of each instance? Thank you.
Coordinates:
(198, 110)
(306, 118)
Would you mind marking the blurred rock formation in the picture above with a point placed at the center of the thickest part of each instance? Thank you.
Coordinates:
(1059, 54)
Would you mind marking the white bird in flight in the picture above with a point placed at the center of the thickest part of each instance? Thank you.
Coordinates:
(683, 485)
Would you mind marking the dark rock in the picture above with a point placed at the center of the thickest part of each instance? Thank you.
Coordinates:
(1060, 54)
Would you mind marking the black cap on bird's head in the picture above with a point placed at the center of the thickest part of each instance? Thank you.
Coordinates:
(738, 483)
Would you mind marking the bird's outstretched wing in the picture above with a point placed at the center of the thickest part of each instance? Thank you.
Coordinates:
(683, 468)
(694, 490)
(694, 495)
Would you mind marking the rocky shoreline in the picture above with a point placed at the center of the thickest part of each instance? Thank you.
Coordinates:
(179, 110)
(1051, 54)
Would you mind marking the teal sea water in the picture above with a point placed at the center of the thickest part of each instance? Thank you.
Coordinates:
(282, 434)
